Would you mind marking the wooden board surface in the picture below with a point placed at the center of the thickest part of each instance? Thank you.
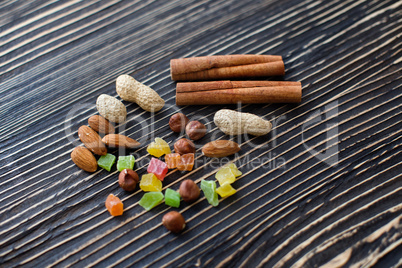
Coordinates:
(324, 188)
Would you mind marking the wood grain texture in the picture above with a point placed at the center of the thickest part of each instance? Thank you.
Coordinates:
(323, 189)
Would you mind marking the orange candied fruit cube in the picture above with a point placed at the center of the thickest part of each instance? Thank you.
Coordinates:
(114, 205)
(186, 162)
(172, 160)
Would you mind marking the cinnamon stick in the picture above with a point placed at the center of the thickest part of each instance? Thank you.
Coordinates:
(224, 67)
(230, 92)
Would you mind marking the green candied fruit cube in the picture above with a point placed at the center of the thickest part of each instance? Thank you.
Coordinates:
(172, 198)
(125, 162)
(209, 189)
(150, 200)
(106, 161)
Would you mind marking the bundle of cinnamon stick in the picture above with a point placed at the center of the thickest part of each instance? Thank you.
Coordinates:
(228, 92)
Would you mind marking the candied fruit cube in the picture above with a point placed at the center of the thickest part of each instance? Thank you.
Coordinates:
(158, 168)
(234, 169)
(150, 183)
(150, 200)
(114, 205)
(154, 150)
(163, 145)
(106, 161)
(172, 160)
(226, 190)
(209, 189)
(172, 198)
(186, 162)
(158, 148)
(225, 175)
(125, 162)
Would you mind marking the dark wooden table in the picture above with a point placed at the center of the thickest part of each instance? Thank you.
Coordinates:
(323, 189)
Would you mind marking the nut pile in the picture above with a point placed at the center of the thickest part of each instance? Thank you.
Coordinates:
(183, 158)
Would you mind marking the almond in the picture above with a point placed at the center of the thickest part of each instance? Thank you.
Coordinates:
(92, 140)
(84, 159)
(100, 124)
(117, 140)
(220, 148)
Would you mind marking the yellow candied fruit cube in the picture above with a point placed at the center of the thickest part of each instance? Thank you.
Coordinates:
(226, 190)
(158, 148)
(234, 169)
(225, 175)
(154, 150)
(150, 183)
(164, 146)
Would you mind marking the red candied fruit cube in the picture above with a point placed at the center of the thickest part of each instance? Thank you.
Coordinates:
(172, 160)
(158, 167)
(186, 162)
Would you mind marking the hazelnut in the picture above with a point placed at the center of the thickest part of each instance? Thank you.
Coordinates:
(128, 179)
(174, 221)
(195, 130)
(178, 122)
(184, 146)
(189, 190)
